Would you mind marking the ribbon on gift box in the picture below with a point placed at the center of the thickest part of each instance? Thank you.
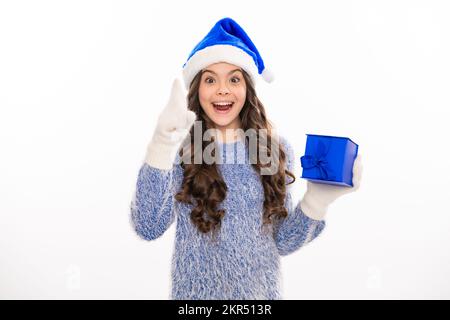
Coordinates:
(318, 161)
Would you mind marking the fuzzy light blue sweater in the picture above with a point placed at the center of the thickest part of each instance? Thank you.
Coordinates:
(244, 262)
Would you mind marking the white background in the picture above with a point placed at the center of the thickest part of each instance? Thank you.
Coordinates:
(82, 83)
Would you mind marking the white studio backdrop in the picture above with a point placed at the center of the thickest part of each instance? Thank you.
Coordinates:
(82, 84)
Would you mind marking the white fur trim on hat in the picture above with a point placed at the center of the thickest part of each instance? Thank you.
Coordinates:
(215, 54)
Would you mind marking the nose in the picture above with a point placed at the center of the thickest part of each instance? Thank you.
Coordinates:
(223, 89)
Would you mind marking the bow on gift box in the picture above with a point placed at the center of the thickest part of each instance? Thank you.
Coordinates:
(318, 161)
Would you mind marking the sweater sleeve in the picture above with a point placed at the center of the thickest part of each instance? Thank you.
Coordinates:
(152, 206)
(297, 229)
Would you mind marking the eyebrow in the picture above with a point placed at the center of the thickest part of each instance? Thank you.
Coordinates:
(207, 70)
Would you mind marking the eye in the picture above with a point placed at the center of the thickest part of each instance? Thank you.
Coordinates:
(235, 78)
(209, 78)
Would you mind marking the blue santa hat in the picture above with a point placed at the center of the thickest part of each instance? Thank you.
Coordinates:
(226, 42)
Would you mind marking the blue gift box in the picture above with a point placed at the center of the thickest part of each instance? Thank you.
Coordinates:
(329, 160)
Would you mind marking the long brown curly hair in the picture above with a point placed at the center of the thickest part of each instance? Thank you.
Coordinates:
(204, 183)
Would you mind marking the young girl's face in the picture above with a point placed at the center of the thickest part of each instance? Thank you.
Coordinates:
(222, 94)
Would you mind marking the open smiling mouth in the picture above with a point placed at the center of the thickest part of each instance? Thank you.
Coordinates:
(223, 107)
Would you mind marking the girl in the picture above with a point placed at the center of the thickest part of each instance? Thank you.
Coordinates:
(233, 222)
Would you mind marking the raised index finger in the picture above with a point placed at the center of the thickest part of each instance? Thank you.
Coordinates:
(178, 96)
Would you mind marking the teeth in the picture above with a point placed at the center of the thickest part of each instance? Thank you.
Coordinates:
(222, 103)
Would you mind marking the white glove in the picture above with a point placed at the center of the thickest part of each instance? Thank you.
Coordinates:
(319, 196)
(173, 126)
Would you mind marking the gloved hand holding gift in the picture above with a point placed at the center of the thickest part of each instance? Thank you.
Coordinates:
(333, 168)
